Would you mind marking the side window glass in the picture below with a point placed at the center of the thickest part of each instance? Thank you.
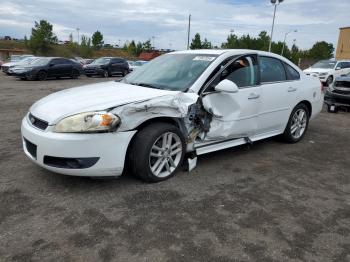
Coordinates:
(54, 62)
(242, 72)
(292, 74)
(271, 70)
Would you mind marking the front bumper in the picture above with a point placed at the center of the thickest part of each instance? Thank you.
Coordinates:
(22, 74)
(109, 149)
(94, 71)
(334, 97)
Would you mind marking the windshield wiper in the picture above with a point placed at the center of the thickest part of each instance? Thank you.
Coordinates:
(145, 85)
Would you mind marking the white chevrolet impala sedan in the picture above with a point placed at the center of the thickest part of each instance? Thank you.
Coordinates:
(180, 104)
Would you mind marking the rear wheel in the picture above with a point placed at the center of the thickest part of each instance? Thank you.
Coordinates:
(42, 75)
(297, 124)
(157, 152)
(105, 73)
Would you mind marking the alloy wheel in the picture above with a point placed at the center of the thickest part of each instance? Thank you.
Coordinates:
(299, 122)
(165, 154)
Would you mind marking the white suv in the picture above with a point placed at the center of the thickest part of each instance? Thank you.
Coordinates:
(328, 70)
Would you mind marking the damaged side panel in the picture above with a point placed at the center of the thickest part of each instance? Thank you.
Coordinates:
(200, 119)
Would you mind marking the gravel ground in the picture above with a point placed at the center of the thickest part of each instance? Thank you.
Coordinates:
(268, 202)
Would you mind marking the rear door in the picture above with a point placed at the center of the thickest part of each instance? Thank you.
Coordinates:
(280, 83)
(234, 115)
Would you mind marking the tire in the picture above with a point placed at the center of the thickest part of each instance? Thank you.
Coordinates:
(329, 80)
(147, 152)
(297, 126)
(42, 75)
(105, 73)
(75, 74)
(124, 73)
(88, 75)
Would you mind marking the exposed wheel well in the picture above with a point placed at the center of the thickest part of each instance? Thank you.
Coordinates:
(309, 106)
(168, 120)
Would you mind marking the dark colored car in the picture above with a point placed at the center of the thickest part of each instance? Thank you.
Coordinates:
(338, 95)
(48, 67)
(107, 66)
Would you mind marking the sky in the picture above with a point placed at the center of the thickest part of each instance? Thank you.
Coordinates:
(166, 20)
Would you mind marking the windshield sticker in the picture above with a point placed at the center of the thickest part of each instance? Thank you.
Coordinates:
(204, 58)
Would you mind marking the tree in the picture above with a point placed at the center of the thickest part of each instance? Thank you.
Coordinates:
(139, 49)
(196, 42)
(321, 50)
(206, 44)
(85, 46)
(42, 37)
(147, 46)
(132, 48)
(97, 40)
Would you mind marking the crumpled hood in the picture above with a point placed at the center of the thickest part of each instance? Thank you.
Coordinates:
(100, 96)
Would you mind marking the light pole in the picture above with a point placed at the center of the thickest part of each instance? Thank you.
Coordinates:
(275, 3)
(188, 32)
(78, 34)
(285, 38)
(154, 48)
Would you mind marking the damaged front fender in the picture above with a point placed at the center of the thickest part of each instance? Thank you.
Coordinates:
(173, 106)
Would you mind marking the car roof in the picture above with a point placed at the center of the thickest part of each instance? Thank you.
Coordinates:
(222, 51)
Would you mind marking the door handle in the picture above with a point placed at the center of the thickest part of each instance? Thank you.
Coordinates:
(253, 96)
(292, 89)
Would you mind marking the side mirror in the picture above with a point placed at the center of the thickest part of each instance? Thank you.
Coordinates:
(337, 68)
(227, 86)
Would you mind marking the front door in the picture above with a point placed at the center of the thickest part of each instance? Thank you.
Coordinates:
(234, 115)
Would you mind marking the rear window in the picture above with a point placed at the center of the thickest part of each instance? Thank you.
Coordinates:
(292, 74)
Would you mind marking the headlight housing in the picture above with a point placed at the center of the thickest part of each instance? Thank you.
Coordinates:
(87, 122)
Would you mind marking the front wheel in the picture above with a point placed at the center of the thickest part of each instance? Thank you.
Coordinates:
(105, 73)
(297, 124)
(157, 152)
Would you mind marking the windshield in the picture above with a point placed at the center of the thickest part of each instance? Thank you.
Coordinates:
(15, 58)
(27, 60)
(101, 61)
(324, 64)
(41, 61)
(176, 72)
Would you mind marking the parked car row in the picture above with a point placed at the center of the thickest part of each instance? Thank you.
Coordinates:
(30, 67)
(336, 75)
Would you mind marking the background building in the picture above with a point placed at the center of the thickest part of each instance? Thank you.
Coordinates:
(343, 47)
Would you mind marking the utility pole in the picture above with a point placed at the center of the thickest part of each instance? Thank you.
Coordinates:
(154, 48)
(275, 3)
(188, 32)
